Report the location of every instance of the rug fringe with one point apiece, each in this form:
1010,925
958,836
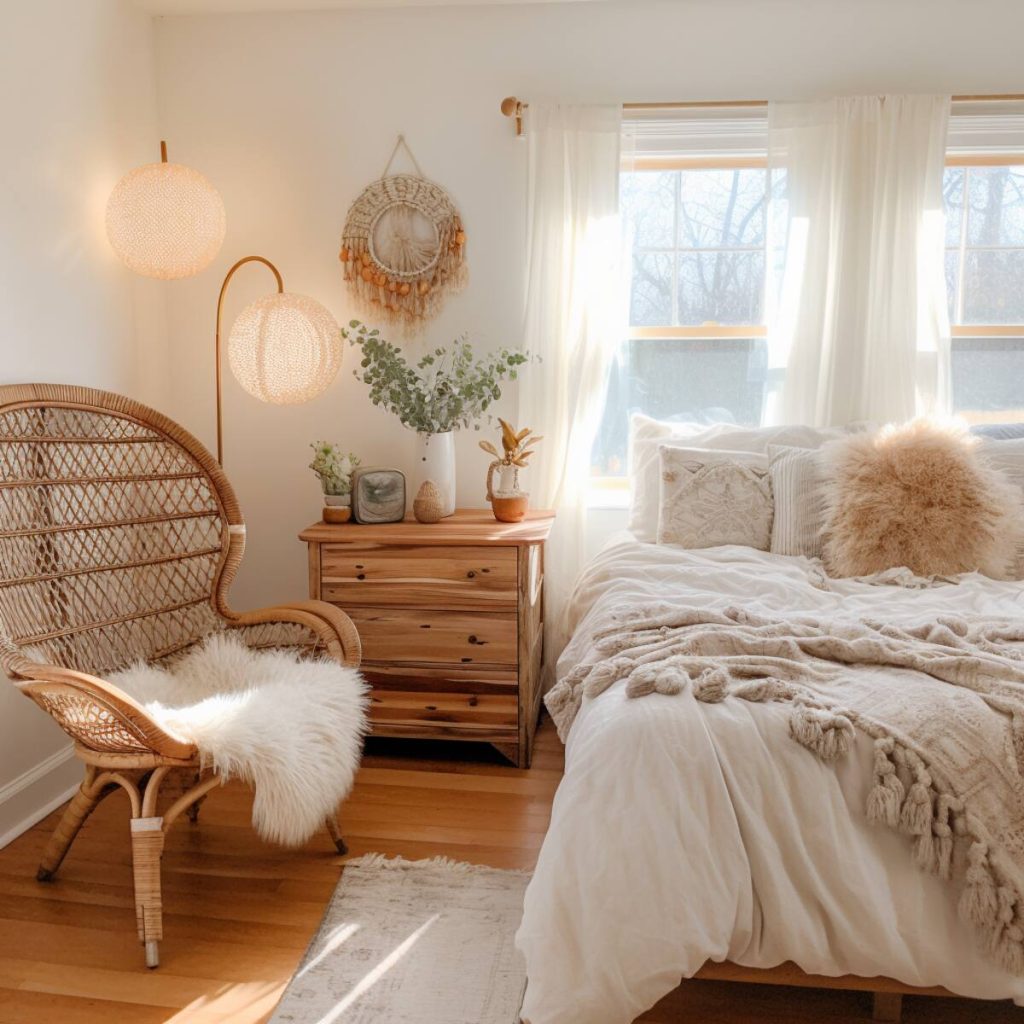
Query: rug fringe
446,864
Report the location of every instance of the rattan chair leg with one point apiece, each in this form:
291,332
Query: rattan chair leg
81,806
193,810
335,830
147,850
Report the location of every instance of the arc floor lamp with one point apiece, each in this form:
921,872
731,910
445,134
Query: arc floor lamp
167,221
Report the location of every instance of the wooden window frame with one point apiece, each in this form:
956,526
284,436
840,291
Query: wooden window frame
742,162
981,330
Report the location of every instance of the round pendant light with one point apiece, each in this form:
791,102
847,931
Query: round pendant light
285,348
165,220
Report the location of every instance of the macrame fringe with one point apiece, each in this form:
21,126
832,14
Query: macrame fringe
886,796
827,733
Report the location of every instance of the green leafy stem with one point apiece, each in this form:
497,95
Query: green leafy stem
447,389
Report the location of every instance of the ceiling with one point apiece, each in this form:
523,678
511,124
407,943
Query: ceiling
242,6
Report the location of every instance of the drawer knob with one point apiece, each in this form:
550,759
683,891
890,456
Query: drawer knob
361,576
470,574
473,640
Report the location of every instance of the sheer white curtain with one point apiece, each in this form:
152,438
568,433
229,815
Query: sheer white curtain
575,318
859,329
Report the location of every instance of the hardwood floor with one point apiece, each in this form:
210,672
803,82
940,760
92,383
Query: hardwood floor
238,913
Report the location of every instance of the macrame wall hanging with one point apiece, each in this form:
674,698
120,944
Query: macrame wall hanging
403,248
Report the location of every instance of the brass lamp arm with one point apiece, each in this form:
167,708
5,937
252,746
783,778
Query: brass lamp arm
220,304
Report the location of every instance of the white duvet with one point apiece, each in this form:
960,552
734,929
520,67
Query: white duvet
685,832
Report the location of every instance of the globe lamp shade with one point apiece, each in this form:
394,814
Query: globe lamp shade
165,221
285,349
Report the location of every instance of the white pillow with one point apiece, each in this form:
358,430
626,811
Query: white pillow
798,490
646,435
1008,458
712,498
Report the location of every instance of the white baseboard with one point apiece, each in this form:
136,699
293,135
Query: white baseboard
31,796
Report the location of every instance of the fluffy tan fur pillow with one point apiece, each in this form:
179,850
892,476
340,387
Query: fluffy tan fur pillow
917,495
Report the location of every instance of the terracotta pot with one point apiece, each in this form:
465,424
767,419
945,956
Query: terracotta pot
336,514
510,510
337,508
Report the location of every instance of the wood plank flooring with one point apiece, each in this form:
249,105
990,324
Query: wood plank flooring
238,913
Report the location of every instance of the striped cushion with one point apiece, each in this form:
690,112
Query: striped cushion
797,487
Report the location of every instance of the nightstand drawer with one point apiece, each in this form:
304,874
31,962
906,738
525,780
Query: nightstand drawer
491,719
470,578
413,636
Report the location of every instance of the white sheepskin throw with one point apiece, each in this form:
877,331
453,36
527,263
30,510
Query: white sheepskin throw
292,729
918,495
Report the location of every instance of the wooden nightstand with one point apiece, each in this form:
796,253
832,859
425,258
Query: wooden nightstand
450,616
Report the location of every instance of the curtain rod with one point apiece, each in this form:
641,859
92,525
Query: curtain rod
513,107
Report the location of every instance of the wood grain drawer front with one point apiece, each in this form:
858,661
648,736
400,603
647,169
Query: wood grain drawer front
406,713
499,680
417,576
457,639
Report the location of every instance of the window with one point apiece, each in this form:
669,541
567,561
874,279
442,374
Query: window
696,344
696,348
985,287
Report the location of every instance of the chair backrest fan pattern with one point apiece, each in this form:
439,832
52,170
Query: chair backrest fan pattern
115,530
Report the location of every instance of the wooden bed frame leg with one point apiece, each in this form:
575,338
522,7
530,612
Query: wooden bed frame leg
83,803
887,1006
335,830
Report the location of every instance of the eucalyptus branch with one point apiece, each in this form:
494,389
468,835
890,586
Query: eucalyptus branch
448,388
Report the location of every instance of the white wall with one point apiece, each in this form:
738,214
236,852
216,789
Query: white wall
292,114
78,86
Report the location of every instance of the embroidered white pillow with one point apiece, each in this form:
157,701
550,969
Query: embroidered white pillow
710,498
798,490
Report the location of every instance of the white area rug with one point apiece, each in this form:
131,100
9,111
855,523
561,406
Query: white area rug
413,942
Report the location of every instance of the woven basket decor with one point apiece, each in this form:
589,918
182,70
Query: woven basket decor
403,249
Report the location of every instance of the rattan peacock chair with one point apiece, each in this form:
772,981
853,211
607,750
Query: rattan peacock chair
119,538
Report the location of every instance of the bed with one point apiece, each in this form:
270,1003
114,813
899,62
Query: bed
688,833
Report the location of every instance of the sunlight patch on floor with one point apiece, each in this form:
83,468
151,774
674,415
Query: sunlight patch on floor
241,1003
338,937
372,977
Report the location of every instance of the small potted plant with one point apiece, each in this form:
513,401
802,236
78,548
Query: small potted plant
508,502
334,468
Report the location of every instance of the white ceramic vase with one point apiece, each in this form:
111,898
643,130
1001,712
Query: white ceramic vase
435,460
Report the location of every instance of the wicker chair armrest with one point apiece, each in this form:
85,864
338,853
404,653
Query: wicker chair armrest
96,714
328,622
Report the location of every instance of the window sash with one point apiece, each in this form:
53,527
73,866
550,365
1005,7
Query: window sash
710,331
